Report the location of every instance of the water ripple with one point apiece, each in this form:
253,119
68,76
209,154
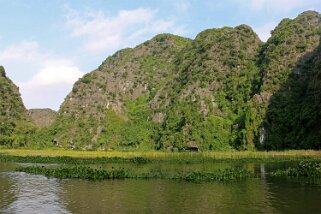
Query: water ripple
33,194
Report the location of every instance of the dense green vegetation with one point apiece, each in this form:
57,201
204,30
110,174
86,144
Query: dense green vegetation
15,127
303,169
71,160
159,165
225,90
290,67
134,132
81,172
212,90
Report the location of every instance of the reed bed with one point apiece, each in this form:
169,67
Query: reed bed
158,155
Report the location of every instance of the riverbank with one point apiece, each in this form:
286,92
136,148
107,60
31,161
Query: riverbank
91,157
146,165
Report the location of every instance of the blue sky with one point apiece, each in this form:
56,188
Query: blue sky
46,45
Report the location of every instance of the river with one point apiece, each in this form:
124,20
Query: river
25,193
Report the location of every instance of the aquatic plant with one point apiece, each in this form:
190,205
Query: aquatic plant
78,172
303,169
71,160
82,172
232,174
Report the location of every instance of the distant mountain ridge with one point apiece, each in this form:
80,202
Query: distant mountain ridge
42,117
223,90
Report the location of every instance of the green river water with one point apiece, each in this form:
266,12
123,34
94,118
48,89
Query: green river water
26,193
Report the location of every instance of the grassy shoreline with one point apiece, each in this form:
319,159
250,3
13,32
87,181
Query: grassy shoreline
92,157
160,154
74,164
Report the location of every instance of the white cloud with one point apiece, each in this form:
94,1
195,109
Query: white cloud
22,51
56,72
264,31
103,33
22,59
44,78
182,6
48,87
283,5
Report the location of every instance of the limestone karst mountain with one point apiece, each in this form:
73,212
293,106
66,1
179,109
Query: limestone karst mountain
42,117
285,114
223,90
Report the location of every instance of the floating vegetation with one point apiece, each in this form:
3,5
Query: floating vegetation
82,172
71,160
220,175
305,168
78,172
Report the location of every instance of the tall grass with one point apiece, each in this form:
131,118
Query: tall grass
165,155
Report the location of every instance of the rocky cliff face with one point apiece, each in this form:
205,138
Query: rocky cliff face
42,117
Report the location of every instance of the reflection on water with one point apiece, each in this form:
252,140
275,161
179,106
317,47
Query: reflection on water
296,197
24,193
6,194
30,194
162,196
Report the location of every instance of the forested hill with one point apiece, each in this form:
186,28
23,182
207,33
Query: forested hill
14,123
291,76
223,90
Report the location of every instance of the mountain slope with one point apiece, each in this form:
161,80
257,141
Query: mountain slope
109,107
42,117
218,74
14,122
282,114
169,92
